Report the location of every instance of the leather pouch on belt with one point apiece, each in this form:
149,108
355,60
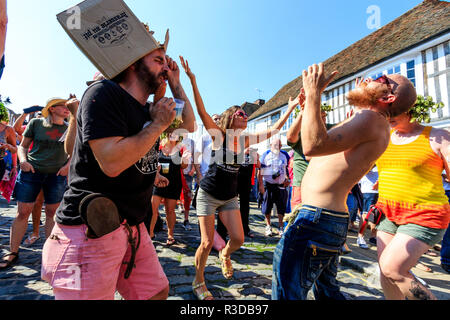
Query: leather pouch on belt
100,214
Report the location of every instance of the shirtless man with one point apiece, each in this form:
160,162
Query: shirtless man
308,252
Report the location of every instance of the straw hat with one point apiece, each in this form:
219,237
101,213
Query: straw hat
51,103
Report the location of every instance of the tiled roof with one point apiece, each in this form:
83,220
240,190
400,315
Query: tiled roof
426,21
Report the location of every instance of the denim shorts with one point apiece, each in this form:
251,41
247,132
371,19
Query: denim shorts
28,186
307,255
208,205
428,235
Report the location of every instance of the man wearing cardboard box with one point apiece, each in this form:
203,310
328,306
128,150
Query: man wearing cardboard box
99,243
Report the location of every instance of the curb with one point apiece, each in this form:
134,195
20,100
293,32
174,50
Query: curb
360,263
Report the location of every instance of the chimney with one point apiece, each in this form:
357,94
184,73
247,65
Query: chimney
260,102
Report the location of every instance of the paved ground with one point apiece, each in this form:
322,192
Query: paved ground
357,275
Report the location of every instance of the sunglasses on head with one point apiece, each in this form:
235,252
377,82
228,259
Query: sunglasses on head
240,114
384,80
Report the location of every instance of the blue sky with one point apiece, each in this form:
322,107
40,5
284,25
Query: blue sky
233,46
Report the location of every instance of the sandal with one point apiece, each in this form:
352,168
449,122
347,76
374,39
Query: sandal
30,240
170,242
227,268
205,295
423,267
9,263
431,253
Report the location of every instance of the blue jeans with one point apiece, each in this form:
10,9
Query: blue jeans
369,199
445,248
352,205
307,256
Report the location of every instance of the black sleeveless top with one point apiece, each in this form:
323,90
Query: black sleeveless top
221,180
173,190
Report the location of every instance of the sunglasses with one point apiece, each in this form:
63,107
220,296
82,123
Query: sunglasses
384,80
240,114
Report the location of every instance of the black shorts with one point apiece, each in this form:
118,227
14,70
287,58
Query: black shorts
274,193
170,192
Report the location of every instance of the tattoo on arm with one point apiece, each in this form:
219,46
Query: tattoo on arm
338,138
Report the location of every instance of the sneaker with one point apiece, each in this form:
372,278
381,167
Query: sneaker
373,241
186,225
362,243
268,232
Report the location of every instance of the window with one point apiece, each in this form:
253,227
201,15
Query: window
394,70
411,71
274,118
288,123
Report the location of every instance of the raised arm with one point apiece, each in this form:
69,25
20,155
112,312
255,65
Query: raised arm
3,26
17,126
275,129
69,142
204,116
363,126
293,134
178,93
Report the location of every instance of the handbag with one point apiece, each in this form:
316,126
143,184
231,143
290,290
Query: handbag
101,217
374,216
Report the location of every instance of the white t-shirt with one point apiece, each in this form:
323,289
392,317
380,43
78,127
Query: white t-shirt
189,145
273,166
204,146
369,180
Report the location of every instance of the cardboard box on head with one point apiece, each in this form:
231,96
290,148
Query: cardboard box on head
109,34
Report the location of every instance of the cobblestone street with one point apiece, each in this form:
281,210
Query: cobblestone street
252,263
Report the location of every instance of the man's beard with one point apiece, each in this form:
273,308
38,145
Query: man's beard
150,80
365,97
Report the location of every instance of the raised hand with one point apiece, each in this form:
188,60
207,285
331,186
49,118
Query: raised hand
173,75
299,101
315,80
72,104
185,65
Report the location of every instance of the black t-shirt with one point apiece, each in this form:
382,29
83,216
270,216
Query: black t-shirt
107,110
221,179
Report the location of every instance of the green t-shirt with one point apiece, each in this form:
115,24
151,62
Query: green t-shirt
47,154
300,164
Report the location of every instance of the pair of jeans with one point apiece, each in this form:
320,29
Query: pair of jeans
445,248
307,256
352,205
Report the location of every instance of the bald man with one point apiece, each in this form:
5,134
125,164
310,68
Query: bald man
307,255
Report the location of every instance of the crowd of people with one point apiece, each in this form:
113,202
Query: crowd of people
102,166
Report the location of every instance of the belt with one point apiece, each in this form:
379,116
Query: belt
324,211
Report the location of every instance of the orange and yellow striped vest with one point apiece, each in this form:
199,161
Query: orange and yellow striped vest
410,184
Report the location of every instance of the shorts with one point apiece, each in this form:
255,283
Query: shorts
28,186
427,235
208,205
274,194
79,268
